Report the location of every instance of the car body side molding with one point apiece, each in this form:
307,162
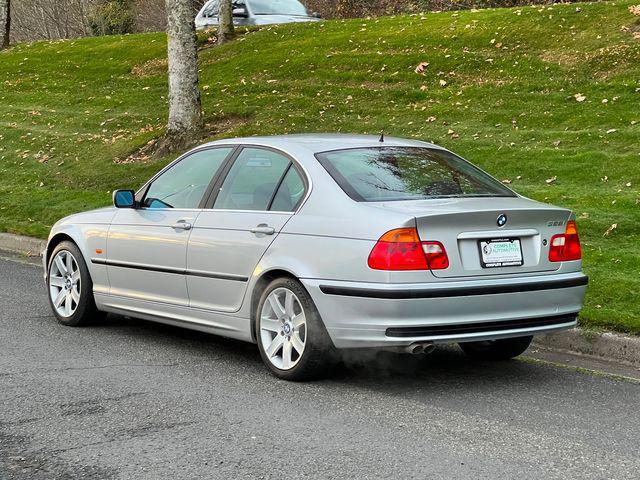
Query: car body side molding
176,271
453,292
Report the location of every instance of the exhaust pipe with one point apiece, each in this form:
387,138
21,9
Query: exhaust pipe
416,348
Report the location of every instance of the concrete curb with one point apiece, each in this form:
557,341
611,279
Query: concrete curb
605,345
610,346
28,246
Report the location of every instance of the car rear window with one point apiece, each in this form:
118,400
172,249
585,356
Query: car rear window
407,173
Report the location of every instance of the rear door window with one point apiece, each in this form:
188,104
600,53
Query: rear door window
290,192
252,180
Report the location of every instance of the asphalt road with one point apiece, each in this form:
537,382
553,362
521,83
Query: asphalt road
127,399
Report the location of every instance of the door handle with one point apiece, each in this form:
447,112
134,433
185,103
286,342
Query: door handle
182,225
263,229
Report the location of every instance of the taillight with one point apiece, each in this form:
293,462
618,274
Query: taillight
436,255
566,246
401,249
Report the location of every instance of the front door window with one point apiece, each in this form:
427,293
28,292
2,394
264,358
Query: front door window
185,183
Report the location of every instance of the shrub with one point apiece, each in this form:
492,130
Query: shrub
112,17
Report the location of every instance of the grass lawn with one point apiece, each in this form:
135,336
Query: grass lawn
546,98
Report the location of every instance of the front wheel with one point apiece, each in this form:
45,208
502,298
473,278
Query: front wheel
503,349
70,286
293,343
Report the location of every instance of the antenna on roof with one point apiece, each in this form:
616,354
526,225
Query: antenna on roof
381,137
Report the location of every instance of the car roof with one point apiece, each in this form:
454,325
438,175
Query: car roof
322,142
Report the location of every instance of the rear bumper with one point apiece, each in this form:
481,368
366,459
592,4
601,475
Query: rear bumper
396,315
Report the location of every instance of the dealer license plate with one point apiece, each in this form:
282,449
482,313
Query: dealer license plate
501,252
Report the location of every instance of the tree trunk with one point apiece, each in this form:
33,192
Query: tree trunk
5,23
225,21
185,112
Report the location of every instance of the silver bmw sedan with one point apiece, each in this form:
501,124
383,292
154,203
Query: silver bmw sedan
308,244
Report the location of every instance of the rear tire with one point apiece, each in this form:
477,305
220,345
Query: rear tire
503,349
293,342
70,287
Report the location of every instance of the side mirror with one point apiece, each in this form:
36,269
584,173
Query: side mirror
240,12
124,199
316,15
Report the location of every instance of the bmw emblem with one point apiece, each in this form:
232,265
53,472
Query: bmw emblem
502,220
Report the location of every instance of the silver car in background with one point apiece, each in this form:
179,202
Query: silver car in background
256,12
308,244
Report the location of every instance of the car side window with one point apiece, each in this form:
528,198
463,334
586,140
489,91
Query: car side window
184,184
290,192
252,180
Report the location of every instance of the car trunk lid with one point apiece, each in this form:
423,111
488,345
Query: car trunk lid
501,226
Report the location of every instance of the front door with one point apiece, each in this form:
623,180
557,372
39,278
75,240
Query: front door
250,206
147,247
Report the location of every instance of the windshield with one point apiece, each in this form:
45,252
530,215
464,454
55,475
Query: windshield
210,9
407,173
277,7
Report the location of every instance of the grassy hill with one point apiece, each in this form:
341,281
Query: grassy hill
546,98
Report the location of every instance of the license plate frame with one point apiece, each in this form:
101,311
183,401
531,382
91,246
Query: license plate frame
491,259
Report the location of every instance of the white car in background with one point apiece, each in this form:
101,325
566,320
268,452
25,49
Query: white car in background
256,12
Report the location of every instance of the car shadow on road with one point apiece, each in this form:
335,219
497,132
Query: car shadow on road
446,366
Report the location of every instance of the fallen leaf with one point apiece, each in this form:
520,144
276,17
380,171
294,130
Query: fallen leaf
420,68
583,216
579,97
549,181
443,83
611,130
506,181
610,229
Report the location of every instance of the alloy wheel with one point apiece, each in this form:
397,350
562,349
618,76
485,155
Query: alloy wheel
283,328
64,283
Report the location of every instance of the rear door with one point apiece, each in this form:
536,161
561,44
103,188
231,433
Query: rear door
147,247
249,206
